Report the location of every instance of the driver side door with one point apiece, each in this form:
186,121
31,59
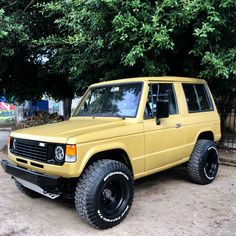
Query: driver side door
164,142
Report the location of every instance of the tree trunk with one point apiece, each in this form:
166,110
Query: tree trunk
19,113
67,108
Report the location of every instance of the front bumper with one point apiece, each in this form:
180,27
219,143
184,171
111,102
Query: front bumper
67,170
41,180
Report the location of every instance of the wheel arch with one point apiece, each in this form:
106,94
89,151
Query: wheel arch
115,153
207,134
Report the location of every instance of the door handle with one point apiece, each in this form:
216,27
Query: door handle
178,125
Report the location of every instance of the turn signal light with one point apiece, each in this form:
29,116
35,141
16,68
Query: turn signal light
71,150
70,153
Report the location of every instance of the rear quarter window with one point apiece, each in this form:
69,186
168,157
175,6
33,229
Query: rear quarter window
197,97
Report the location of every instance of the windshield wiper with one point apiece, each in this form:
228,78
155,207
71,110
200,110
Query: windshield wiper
109,115
119,116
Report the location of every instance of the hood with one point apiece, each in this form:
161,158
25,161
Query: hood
62,131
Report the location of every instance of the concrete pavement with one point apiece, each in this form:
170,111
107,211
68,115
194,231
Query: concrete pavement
228,157
164,204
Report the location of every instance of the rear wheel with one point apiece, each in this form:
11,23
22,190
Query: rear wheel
203,163
104,193
27,191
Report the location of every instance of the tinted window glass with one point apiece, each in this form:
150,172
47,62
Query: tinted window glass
204,99
197,97
150,109
166,92
160,92
191,97
119,100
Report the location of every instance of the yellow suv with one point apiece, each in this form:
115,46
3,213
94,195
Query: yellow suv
121,130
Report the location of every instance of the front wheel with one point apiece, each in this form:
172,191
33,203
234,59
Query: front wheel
203,163
104,193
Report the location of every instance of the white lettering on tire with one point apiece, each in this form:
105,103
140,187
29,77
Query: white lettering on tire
114,219
116,173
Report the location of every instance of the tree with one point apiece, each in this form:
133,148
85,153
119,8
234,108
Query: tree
88,41
24,75
108,39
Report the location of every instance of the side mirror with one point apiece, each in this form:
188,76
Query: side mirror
162,110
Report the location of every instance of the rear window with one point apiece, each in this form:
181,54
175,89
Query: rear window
197,97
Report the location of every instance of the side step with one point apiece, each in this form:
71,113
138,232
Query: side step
36,188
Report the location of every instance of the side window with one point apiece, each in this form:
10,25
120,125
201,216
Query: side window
150,109
166,92
203,97
160,92
191,97
197,98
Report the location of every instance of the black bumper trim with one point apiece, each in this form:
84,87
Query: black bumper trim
33,177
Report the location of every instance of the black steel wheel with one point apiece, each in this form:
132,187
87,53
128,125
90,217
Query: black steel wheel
203,163
104,193
211,164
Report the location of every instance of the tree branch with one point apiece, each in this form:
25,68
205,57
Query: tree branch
10,4
209,43
30,4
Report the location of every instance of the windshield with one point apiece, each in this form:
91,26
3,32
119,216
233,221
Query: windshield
120,100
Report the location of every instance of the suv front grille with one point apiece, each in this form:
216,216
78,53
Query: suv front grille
30,149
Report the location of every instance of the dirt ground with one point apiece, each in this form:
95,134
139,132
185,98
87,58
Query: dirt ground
164,204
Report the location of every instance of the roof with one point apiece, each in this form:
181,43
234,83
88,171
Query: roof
162,78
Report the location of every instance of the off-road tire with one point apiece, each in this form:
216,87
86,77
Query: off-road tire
104,193
203,163
27,191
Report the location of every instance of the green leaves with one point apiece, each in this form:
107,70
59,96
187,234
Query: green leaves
220,65
204,31
135,53
10,32
113,39
86,41
162,39
216,66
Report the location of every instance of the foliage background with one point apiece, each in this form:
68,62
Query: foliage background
60,47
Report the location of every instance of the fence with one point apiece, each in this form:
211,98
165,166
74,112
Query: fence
228,130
